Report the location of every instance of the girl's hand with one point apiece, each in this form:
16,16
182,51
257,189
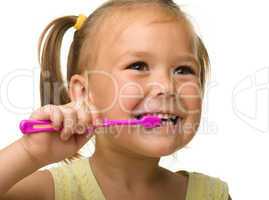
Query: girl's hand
46,148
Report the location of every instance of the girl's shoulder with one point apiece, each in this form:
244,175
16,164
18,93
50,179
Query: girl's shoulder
75,181
204,187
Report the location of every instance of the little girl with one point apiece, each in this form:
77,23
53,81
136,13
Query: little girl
129,58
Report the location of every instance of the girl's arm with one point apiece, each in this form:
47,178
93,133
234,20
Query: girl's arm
20,178
21,159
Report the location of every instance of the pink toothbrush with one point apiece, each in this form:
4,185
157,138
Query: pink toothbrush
36,126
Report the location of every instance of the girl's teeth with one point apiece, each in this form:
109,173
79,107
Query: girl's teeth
164,116
168,123
160,115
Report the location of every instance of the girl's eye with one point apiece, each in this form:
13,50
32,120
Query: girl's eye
184,70
140,66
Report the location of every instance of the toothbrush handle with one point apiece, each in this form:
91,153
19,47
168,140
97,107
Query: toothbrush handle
36,126
31,126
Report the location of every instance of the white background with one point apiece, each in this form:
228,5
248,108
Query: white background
232,142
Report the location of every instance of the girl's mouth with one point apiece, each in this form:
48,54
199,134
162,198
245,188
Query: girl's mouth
165,117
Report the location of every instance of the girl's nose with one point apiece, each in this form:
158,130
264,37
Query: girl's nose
162,85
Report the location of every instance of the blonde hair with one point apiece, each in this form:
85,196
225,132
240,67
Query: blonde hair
50,42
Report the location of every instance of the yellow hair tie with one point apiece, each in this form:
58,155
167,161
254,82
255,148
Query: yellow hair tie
80,21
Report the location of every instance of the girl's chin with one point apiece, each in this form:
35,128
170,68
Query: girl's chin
157,146
155,142
158,152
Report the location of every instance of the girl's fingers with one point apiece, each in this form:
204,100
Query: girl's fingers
78,116
88,114
73,118
51,112
69,123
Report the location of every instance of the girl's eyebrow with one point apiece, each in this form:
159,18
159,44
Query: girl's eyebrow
135,54
187,57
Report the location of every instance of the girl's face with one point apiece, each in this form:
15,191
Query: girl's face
146,66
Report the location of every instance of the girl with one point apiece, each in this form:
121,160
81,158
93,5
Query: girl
129,58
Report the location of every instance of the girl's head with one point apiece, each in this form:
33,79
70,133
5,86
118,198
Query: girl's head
131,56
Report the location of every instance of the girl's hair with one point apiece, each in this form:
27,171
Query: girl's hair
52,87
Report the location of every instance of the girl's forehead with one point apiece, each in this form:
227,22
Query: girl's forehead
147,35
127,24
142,31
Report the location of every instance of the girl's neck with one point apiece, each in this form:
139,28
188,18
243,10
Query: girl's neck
125,168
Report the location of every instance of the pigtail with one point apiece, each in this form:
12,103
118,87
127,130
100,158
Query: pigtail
52,88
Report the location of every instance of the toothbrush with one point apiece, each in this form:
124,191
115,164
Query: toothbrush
37,126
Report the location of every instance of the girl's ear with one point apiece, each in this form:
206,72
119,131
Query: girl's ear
77,88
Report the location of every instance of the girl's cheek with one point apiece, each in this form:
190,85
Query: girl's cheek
190,96
104,93
130,93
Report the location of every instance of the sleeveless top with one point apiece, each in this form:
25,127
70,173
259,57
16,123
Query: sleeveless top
76,181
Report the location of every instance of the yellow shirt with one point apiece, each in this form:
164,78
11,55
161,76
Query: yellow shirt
75,181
